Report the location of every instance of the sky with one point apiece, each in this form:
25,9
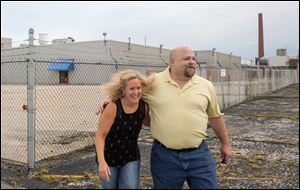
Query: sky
227,26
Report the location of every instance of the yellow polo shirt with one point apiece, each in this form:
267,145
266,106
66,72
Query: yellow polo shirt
179,116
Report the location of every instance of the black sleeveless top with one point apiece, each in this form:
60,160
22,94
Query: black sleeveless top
121,141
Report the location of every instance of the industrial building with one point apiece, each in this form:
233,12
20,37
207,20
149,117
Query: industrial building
280,60
6,43
105,52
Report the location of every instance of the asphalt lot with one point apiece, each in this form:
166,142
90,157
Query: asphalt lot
264,133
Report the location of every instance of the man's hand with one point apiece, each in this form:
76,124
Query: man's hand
226,153
101,108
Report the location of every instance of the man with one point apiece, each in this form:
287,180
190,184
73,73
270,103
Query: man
182,104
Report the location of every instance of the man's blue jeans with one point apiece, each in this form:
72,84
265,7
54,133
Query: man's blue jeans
171,168
123,177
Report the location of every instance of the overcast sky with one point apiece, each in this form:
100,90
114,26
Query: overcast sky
226,26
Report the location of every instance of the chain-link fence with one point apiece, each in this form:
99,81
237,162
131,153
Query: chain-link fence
48,104
64,113
236,85
64,109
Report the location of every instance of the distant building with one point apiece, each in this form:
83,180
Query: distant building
248,62
274,61
293,61
106,53
23,45
211,58
43,39
280,60
6,43
63,40
281,52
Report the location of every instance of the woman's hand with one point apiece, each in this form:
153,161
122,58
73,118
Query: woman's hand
104,171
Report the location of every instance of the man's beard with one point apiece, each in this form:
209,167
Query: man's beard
189,72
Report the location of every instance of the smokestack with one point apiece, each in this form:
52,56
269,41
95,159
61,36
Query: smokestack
260,36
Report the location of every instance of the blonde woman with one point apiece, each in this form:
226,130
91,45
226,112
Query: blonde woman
118,154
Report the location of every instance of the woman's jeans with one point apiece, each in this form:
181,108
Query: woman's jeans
125,176
170,168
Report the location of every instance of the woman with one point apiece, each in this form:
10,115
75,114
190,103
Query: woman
118,129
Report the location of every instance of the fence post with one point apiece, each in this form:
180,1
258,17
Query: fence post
273,79
31,103
258,80
222,88
239,83
298,68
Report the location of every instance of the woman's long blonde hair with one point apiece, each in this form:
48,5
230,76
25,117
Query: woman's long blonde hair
115,88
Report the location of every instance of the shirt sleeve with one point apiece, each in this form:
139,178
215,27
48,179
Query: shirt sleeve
213,109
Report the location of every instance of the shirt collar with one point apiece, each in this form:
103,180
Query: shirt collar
167,77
